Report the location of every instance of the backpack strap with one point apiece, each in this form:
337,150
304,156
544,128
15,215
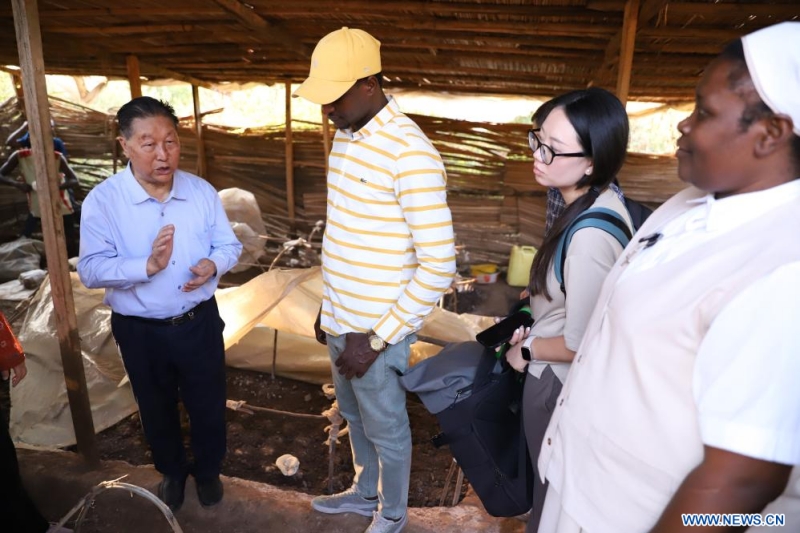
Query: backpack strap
599,217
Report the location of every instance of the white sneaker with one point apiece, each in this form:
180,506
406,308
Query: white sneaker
382,525
349,501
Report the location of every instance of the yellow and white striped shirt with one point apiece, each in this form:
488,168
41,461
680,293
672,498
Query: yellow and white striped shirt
388,251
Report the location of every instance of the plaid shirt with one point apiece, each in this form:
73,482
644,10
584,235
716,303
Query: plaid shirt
556,205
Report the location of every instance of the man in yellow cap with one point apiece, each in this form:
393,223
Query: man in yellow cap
387,257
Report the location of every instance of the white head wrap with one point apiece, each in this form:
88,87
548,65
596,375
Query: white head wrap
773,59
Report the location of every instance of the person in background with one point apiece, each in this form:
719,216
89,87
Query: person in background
18,513
158,240
578,148
683,396
22,159
387,256
21,138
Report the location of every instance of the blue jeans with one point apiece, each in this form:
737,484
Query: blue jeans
380,437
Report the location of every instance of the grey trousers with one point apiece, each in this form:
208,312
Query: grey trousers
538,402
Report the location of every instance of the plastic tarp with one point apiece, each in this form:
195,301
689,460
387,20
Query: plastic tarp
18,256
286,300
248,226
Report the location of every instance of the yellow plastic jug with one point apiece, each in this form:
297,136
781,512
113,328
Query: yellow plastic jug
519,265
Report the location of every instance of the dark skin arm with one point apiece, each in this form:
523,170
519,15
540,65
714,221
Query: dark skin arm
70,179
7,168
357,356
318,333
725,482
16,134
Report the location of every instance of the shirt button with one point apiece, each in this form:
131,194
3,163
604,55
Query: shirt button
549,442
173,262
179,287
183,307
579,358
561,402
162,214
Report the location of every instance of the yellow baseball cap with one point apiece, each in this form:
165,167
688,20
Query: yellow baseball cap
340,59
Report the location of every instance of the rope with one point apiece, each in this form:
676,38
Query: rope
87,501
243,406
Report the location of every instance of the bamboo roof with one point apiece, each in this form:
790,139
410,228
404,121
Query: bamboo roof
520,47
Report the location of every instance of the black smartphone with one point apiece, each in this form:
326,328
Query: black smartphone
502,332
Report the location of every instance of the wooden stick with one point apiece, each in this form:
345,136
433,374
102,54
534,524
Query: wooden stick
133,76
198,126
289,155
37,107
626,50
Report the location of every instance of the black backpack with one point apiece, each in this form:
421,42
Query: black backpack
478,406
638,212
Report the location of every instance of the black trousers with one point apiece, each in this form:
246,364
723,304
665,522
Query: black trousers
17,512
167,363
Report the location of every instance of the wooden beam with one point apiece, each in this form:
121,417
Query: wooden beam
37,107
134,79
626,52
198,128
289,155
648,10
266,29
395,8
161,72
740,11
513,28
131,29
147,12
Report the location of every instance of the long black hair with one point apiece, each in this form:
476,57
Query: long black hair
600,121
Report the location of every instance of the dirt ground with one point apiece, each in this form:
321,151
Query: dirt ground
254,442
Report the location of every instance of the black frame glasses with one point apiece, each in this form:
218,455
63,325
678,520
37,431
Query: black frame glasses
545,152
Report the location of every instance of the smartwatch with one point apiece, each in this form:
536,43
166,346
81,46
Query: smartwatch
525,349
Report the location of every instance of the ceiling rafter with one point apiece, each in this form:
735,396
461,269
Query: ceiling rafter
268,31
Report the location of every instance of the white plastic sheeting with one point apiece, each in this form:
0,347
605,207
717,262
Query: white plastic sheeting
284,299
245,218
18,256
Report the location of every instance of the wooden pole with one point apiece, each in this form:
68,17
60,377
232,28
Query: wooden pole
626,50
289,155
37,107
198,125
326,140
133,76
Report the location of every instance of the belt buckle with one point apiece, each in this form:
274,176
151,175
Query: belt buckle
176,320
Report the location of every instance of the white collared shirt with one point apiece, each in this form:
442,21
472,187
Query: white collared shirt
747,366
708,220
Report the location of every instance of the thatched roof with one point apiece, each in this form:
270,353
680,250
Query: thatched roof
523,47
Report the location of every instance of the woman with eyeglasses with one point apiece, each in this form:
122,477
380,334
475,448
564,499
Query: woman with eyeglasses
578,148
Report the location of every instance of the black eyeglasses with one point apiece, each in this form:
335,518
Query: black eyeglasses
545,152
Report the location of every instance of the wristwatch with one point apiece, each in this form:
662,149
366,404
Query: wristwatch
525,349
376,343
